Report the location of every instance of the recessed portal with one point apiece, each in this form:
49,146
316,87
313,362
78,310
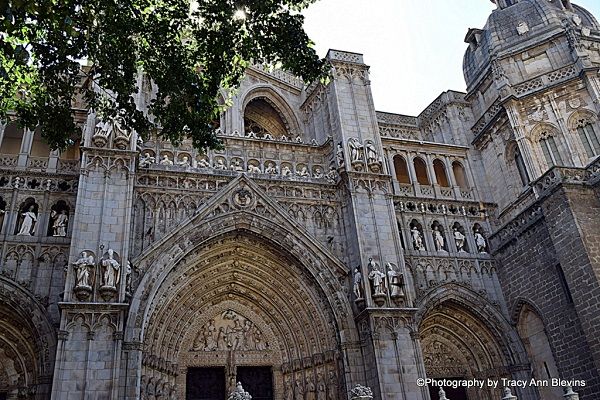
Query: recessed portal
258,381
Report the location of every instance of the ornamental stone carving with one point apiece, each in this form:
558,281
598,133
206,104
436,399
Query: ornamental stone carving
230,331
239,393
112,127
360,392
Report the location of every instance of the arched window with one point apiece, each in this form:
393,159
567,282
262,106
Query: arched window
550,149
11,141
459,175
421,171
263,120
521,167
401,169
39,147
589,138
440,173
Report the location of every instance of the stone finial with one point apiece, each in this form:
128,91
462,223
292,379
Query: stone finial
508,394
570,394
239,393
443,394
361,393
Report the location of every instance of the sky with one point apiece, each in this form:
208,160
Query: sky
414,47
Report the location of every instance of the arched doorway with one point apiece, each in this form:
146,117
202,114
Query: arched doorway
240,295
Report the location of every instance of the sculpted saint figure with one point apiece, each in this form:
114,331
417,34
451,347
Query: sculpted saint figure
82,270
303,172
28,223
371,153
340,155
286,171
357,287
110,278
394,282
480,241
377,276
203,163
166,160
146,160
356,149
220,165
417,238
459,239
59,226
438,239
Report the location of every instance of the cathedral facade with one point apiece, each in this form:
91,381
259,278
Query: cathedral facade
327,244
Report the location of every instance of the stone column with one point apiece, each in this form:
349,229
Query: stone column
26,143
2,129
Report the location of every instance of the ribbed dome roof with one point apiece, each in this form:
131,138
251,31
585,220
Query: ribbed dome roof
500,33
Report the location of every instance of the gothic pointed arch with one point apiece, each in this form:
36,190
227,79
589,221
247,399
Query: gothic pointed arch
464,336
264,106
27,344
240,259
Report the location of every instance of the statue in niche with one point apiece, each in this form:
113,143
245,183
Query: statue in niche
340,155
59,224
166,160
253,169
303,172
356,150
480,241
271,168
185,162
128,271
236,166
417,238
438,239
371,153
459,239
288,390
203,163
318,173
286,171
146,160
110,276
377,276
83,268
28,224
220,165
321,387
394,280
357,286
311,389
332,393
298,390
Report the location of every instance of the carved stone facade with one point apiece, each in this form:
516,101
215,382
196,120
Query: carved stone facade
344,251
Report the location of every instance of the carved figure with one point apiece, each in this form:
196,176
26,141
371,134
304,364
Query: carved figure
203,163
82,270
311,389
28,223
332,175
166,160
239,393
318,173
271,168
253,169
220,165
356,150
288,390
59,226
417,238
371,153
229,332
298,390
110,277
480,241
459,239
394,280
357,286
321,387
332,392
438,239
286,171
303,172
340,155
377,276
361,392
185,162
236,166
146,160
128,271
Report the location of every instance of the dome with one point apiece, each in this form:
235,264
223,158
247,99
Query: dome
513,24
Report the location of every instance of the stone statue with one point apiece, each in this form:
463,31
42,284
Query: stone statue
271,168
438,239
321,387
59,226
220,165
83,267
442,394
303,172
377,276
356,150
508,394
253,169
332,392
286,171
480,241
371,153
332,175
146,160
239,393
288,390
357,286
128,271
394,280
185,162
459,239
110,277
340,155
318,173
311,389
298,390
203,163
28,223
417,239
236,166
166,160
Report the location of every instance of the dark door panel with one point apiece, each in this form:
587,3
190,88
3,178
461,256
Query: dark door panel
205,384
258,381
